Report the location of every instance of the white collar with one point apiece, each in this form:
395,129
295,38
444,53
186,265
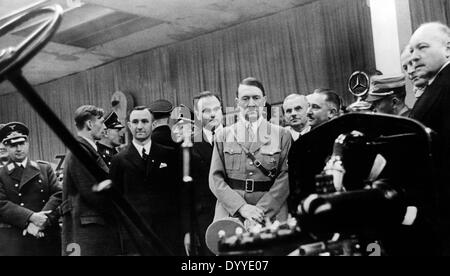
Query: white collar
209,135
418,92
295,134
254,125
23,163
146,147
404,110
434,78
305,130
91,142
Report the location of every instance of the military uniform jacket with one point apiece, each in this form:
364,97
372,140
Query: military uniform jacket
23,193
106,153
229,161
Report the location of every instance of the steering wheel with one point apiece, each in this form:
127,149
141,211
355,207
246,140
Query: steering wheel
14,58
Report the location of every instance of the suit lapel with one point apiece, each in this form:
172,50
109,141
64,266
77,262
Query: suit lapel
205,148
13,172
154,156
133,156
424,104
93,153
29,173
432,93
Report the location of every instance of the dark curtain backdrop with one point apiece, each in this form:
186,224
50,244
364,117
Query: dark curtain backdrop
429,10
316,45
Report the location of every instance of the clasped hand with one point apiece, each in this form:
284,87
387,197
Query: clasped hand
252,213
37,224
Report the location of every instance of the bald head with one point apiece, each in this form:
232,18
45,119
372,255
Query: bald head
295,107
430,49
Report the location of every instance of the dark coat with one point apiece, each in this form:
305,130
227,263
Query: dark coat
23,193
153,188
163,135
106,153
433,110
204,199
89,220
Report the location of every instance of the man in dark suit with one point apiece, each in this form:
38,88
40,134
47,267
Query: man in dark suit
147,173
324,105
162,133
29,198
208,112
419,84
90,227
295,107
430,49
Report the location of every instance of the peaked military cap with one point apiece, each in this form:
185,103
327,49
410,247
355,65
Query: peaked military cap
13,133
383,86
161,108
112,121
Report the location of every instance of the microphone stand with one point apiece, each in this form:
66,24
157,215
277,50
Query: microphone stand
188,182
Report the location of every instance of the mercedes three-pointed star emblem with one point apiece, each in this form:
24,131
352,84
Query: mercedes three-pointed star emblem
358,83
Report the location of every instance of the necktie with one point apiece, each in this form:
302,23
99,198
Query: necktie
213,137
144,154
251,135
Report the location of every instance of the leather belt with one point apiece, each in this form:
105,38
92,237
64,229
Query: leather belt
250,185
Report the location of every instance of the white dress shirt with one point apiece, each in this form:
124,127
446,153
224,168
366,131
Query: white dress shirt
295,134
146,147
23,163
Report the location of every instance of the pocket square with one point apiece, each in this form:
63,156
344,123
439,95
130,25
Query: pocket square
163,165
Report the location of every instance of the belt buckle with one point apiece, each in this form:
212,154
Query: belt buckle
251,183
257,163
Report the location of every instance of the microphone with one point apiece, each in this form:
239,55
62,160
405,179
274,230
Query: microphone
335,165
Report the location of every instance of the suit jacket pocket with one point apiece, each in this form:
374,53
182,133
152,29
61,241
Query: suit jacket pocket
86,220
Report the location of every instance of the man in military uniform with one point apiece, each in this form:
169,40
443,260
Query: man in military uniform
112,139
29,198
162,133
249,172
387,95
4,156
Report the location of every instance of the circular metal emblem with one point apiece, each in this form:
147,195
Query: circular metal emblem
358,84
